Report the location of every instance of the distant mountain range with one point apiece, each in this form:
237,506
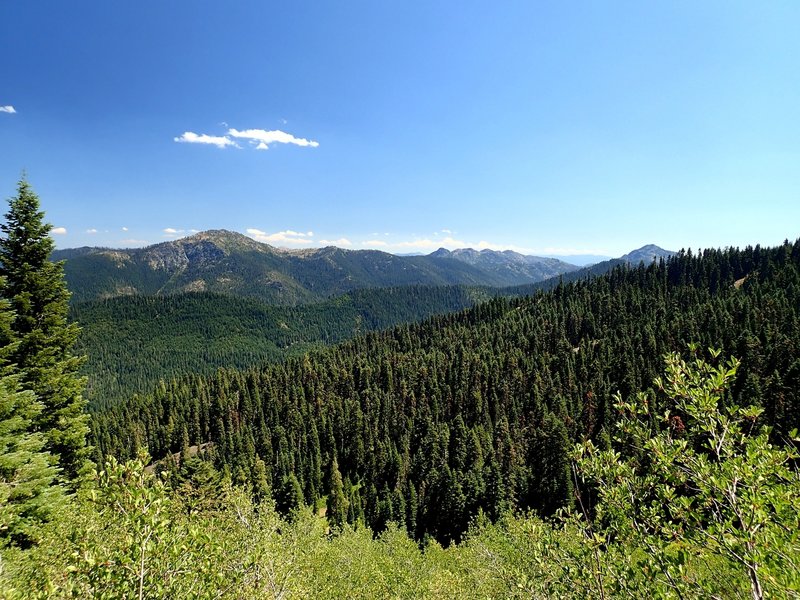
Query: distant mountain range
230,263
513,268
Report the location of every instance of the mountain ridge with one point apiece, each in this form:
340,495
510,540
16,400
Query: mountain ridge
508,263
227,262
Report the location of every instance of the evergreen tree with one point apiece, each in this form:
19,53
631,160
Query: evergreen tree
290,497
27,472
198,484
337,500
260,483
35,288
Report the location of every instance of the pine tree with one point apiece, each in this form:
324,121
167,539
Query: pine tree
290,496
259,480
35,288
337,500
28,495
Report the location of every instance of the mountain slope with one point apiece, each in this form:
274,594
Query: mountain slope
230,263
647,254
132,342
511,267
218,261
479,411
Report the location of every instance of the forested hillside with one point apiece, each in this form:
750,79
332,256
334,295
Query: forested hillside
131,342
134,341
306,478
427,424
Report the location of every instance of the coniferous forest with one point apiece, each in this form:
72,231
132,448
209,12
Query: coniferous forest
132,342
628,435
431,423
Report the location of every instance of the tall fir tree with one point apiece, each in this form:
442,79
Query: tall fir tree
28,495
43,338
337,500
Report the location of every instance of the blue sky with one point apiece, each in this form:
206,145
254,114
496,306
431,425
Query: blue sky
546,127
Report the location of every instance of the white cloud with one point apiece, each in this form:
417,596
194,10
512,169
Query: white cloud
124,229
412,243
264,138
220,141
8,109
59,230
132,242
296,238
91,230
339,242
447,231
172,232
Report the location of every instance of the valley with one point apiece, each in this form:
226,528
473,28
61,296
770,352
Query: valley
135,339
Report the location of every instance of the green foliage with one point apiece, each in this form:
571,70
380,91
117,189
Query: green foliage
134,341
42,337
478,410
128,536
28,494
701,479
198,484
290,496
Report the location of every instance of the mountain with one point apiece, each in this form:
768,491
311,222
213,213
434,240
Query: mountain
229,263
512,267
646,254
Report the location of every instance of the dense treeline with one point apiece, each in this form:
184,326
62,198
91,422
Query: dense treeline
134,341
427,424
